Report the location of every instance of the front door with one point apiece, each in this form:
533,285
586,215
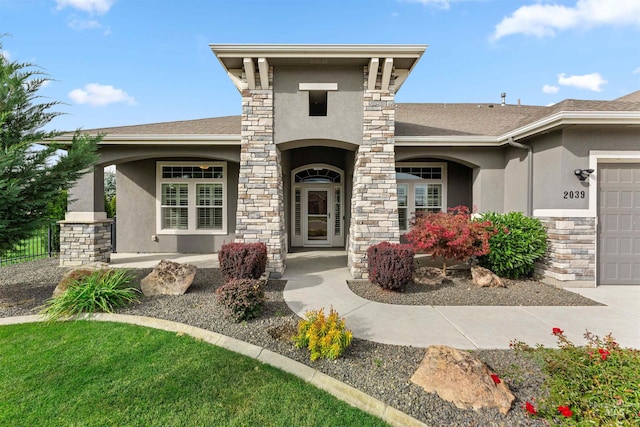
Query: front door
318,216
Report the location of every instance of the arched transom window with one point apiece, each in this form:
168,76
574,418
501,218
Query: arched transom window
318,174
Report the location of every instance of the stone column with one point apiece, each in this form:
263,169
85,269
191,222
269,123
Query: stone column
260,215
374,201
85,233
571,252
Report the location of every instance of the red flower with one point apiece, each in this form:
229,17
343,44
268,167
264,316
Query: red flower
564,410
603,353
557,331
495,378
530,408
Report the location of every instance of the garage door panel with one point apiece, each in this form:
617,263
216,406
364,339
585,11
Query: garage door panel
625,246
610,223
625,199
619,224
612,199
625,222
626,176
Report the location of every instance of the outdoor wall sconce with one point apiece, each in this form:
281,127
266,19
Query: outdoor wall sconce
583,174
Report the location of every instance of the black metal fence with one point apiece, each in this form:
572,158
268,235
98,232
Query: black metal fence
113,235
45,243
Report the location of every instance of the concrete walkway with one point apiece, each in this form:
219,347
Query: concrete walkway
317,279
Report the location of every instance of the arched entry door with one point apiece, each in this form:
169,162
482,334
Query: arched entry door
317,208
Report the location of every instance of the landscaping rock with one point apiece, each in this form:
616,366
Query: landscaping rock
430,276
462,379
77,274
485,278
168,278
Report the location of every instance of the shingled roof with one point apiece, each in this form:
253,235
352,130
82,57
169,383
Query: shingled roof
228,125
411,119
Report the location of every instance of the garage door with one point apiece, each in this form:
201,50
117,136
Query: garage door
619,224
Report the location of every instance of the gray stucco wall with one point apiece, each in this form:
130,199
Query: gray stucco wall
291,106
557,155
459,186
136,213
516,180
487,171
87,194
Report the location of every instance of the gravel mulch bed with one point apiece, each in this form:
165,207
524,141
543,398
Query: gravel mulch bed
458,289
380,370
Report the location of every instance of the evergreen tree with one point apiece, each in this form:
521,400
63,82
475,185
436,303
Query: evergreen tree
31,178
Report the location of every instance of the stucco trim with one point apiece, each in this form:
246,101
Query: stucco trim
563,213
85,217
563,118
445,141
154,139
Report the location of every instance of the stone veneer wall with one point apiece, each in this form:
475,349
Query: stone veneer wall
374,202
260,215
571,252
83,243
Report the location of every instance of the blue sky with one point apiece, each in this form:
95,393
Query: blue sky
119,62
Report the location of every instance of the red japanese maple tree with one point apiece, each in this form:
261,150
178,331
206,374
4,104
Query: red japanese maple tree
451,235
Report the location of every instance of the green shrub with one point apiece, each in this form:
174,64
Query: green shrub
391,265
323,336
102,290
242,298
594,385
520,241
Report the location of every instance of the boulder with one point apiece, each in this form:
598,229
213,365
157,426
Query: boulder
485,278
77,274
430,276
168,278
462,379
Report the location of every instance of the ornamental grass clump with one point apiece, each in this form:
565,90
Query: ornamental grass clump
594,385
518,242
450,235
242,298
324,336
101,291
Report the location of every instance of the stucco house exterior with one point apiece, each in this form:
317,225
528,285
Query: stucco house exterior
323,156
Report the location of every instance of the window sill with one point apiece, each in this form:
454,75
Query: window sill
191,232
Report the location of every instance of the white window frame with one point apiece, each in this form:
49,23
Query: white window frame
192,208
413,183
336,240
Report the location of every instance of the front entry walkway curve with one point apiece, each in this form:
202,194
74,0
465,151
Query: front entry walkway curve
317,279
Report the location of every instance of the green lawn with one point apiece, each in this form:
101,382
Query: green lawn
93,373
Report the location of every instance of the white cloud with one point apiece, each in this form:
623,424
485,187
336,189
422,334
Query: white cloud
542,20
550,89
84,24
443,4
636,71
592,81
98,95
99,7
5,54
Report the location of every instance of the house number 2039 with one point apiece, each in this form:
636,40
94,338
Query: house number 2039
578,194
